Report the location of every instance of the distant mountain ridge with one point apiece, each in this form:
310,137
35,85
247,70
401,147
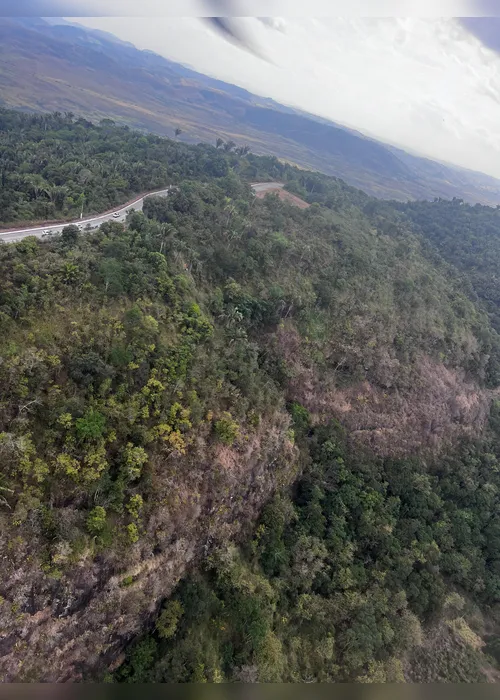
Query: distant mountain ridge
47,66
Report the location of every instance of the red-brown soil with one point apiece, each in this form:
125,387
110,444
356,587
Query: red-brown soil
285,196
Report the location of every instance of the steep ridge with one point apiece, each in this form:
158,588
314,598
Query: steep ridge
162,380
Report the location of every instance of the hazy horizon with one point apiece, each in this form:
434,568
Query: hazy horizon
423,84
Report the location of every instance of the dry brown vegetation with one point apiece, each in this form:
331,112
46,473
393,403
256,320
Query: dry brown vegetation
432,410
284,196
83,623
453,650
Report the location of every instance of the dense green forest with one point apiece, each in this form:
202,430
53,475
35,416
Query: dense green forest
343,577
467,236
292,405
52,165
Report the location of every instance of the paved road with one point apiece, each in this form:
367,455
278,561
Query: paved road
95,221
264,186
92,223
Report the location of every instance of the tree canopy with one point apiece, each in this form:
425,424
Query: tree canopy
164,379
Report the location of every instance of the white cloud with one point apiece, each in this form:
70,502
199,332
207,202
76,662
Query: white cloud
277,23
290,8
422,83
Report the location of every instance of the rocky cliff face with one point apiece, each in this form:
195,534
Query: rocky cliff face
73,628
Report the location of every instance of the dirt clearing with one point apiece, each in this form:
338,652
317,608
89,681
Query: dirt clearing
263,188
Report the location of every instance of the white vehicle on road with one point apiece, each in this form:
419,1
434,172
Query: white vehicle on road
116,215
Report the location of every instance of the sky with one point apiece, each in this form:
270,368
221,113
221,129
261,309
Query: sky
424,83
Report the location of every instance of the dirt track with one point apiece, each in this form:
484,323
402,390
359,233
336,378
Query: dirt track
263,188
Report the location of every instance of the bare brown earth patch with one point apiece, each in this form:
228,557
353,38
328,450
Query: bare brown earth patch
284,196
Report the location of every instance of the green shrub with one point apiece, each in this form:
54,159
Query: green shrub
141,660
132,533
226,429
69,234
96,520
134,460
134,506
167,622
91,426
300,417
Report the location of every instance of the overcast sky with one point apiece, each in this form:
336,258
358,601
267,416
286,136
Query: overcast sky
426,84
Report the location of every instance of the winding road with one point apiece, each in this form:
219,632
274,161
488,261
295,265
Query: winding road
266,186
85,224
17,234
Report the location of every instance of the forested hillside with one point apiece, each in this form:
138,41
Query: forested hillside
238,439
53,164
467,236
354,576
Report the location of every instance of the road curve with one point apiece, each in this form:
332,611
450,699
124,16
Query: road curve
265,186
95,221
86,224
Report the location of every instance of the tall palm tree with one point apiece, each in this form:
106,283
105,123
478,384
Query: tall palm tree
58,194
166,233
36,185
